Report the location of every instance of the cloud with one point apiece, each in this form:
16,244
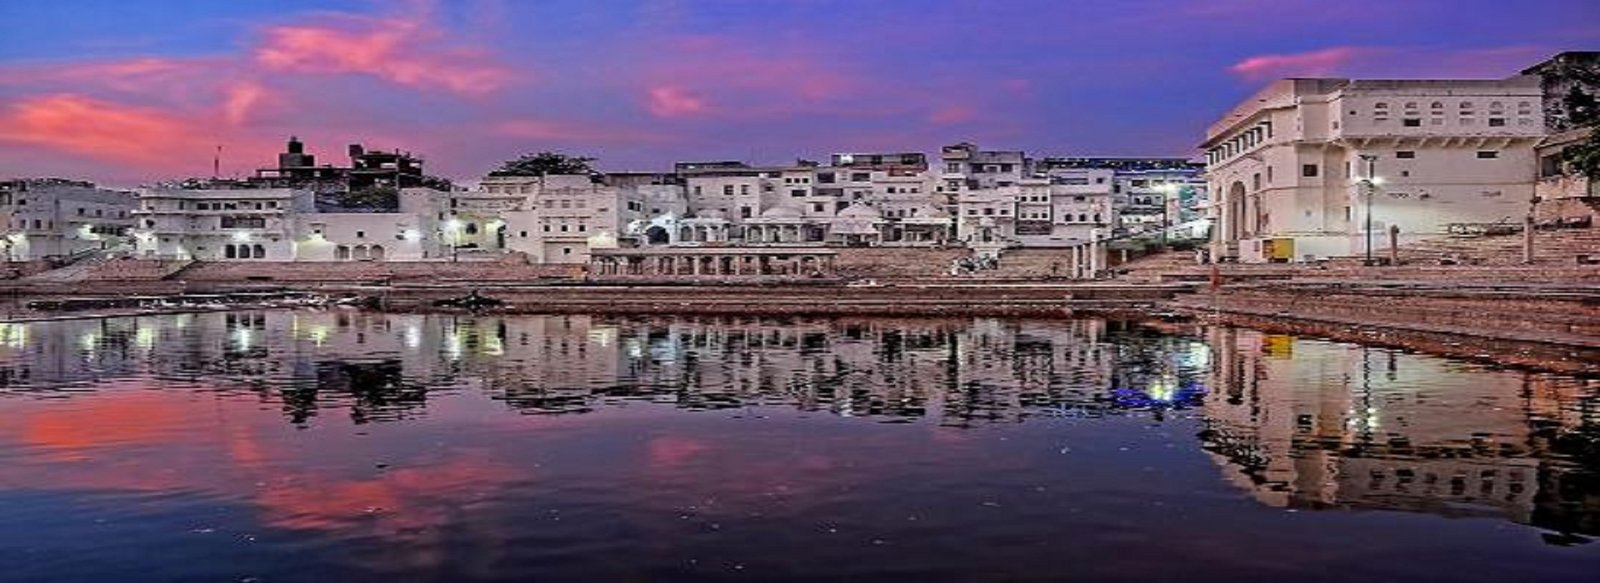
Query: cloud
672,101
1397,62
406,52
539,129
102,129
953,114
240,99
737,78
1320,63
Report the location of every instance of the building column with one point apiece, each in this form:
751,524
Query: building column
1096,253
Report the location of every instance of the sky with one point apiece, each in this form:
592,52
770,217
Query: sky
123,91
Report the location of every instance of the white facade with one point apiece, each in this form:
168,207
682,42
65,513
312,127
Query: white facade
61,218
280,224
1286,167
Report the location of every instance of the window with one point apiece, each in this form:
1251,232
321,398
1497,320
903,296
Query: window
1405,154
361,234
1497,122
1412,122
1488,154
1308,170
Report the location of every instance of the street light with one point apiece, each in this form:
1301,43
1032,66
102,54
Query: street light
1370,185
1166,190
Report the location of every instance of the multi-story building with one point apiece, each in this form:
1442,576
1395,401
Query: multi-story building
1310,168
280,224
43,218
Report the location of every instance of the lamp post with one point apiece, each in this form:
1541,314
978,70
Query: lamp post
1166,221
1369,185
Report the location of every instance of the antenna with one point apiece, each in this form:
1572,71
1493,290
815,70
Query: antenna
216,163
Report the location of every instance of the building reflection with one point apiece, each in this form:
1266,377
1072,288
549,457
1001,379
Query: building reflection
382,366
1310,424
1298,423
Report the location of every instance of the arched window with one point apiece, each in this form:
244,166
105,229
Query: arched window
1381,105
1466,105
260,252
1411,105
229,252
1437,105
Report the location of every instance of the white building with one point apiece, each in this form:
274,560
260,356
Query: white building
280,224
1286,167
43,218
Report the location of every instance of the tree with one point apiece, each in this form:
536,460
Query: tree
545,163
1583,112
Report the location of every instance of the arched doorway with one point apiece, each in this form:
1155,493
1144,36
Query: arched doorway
377,252
656,235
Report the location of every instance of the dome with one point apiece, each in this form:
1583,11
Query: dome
860,211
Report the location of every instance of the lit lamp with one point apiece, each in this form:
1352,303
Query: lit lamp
1166,190
1369,186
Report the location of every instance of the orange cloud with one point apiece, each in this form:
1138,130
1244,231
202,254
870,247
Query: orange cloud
399,51
1311,64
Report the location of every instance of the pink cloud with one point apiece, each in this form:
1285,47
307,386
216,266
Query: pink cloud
239,99
732,77
538,129
1393,62
400,51
155,141
953,114
1319,63
82,125
672,101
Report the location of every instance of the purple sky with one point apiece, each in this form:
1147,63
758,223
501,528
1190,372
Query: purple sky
123,91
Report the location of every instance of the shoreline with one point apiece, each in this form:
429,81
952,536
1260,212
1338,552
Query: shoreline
1555,328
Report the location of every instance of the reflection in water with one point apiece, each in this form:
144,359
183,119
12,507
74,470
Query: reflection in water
377,432
1314,425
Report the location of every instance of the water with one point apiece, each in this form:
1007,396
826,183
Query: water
299,446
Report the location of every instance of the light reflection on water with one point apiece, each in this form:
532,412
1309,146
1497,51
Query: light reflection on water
304,445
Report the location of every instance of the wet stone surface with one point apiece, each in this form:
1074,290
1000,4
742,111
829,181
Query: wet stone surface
356,446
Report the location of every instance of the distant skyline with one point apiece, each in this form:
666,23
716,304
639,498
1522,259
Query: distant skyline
121,92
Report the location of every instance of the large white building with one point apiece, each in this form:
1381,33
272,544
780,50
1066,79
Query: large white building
46,218
1288,167
282,224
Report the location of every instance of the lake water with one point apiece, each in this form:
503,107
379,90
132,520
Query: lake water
352,446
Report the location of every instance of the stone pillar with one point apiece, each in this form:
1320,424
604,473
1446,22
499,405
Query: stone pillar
1394,245
1096,253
